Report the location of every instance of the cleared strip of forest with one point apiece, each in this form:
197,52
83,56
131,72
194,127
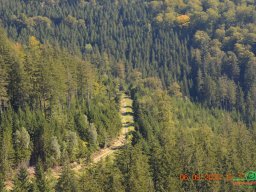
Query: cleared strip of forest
126,113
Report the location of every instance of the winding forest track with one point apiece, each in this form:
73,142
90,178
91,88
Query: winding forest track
126,113
127,120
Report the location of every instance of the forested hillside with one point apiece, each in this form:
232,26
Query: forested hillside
179,137
208,47
189,65
54,106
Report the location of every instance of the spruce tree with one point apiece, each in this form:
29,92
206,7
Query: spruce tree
21,182
1,182
41,181
67,182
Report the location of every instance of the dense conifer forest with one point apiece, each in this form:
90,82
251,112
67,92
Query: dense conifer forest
188,65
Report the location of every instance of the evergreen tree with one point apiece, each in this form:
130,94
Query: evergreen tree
2,186
21,182
22,144
3,84
67,181
41,181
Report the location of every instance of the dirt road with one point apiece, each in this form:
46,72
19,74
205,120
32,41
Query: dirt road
126,113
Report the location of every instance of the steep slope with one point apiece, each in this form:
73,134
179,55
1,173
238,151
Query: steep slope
126,113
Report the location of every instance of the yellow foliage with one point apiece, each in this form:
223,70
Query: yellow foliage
175,3
159,18
33,42
98,88
170,17
182,19
175,90
155,4
32,21
19,50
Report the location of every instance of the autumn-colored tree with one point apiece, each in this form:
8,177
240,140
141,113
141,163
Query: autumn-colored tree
175,90
183,20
